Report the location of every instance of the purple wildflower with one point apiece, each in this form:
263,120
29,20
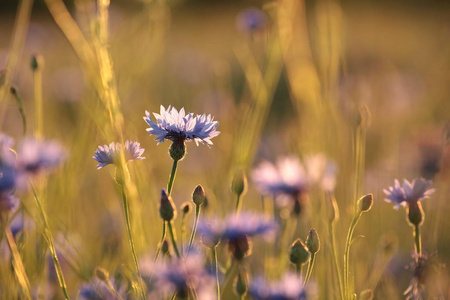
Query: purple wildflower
35,156
106,155
175,125
409,192
251,20
290,287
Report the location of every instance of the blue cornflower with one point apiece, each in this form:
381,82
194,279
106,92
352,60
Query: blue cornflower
237,231
290,287
178,126
98,290
408,193
251,20
180,276
106,155
36,155
8,202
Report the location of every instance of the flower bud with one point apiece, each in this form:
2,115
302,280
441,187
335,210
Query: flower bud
198,196
298,253
366,295
165,248
365,202
186,208
37,62
240,285
239,183
167,209
416,215
313,241
101,274
297,210
240,248
178,150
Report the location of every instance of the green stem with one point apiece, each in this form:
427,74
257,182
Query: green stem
18,266
198,209
216,270
238,204
298,269
172,177
162,240
417,239
51,245
174,242
347,253
310,268
129,231
335,259
21,110
228,275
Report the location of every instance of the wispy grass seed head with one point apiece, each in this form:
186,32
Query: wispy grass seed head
106,155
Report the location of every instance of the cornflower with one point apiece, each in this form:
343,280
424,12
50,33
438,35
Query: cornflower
106,155
290,287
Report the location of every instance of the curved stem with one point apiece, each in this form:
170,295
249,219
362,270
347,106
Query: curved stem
238,204
417,239
130,234
198,209
335,259
216,270
162,240
174,242
310,268
347,253
51,245
228,276
172,177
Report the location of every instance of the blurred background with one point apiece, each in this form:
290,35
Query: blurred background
365,82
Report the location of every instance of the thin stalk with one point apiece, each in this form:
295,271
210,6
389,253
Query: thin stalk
335,259
130,234
19,269
310,268
347,253
162,240
39,107
172,177
417,239
216,270
228,276
174,242
198,209
238,204
298,269
51,245
183,233
21,110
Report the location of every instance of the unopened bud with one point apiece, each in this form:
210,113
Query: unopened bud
186,208
240,285
239,183
365,202
167,209
198,196
178,150
313,241
101,274
298,253
37,62
416,215
366,295
165,247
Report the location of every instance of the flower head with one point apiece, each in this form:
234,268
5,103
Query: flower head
251,20
35,156
409,192
175,125
106,155
290,287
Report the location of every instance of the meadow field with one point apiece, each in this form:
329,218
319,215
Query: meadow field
293,149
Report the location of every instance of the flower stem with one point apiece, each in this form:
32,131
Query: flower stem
172,177
238,204
19,269
216,270
298,269
310,267
51,245
335,259
162,240
174,242
198,209
348,243
417,239
126,209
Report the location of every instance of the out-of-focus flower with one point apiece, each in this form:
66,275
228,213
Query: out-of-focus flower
408,193
416,288
237,231
177,126
180,276
290,287
8,202
35,156
251,20
106,155
321,171
98,290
